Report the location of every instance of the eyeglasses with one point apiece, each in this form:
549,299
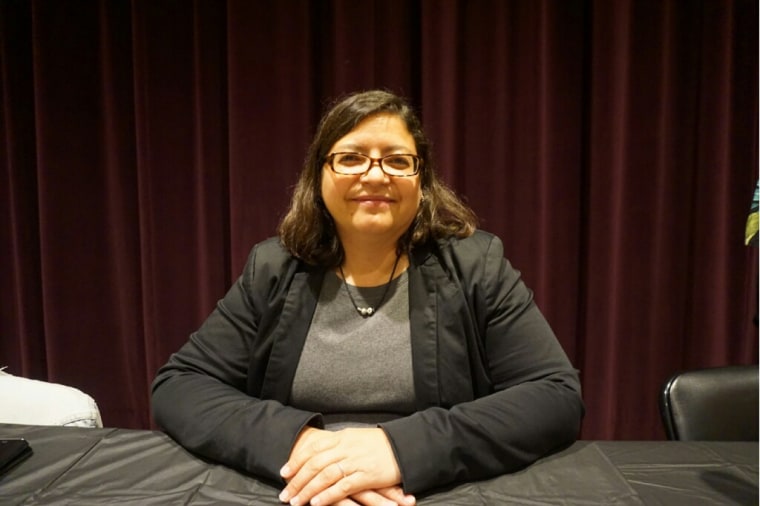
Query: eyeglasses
353,164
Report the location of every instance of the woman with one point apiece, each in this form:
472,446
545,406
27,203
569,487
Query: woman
381,345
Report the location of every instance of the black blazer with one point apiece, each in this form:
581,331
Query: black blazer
493,387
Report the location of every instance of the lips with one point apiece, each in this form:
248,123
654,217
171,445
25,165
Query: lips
372,199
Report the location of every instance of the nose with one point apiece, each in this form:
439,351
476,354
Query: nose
375,171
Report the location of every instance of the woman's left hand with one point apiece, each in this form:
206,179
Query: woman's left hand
325,467
391,496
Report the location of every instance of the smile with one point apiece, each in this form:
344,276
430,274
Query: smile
373,200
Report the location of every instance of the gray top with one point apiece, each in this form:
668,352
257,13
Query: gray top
356,370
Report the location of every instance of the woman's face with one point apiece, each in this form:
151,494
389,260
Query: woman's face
373,205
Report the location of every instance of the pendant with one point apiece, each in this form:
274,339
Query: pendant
365,311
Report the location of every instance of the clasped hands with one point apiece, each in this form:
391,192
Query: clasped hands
342,468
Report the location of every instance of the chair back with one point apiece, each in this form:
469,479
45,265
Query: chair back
715,404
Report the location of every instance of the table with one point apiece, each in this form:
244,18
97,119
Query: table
77,466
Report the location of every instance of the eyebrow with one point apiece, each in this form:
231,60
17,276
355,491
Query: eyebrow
361,148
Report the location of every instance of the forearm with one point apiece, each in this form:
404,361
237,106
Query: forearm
221,423
496,434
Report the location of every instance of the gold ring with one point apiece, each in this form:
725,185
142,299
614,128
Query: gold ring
341,469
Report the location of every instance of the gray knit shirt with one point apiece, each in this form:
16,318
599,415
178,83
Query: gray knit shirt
356,370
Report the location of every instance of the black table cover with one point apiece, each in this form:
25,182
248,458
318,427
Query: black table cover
74,466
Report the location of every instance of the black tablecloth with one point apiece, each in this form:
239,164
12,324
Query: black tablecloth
72,466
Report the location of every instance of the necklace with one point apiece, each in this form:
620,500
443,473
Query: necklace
369,310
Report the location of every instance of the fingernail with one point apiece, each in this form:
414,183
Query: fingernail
296,502
285,471
284,496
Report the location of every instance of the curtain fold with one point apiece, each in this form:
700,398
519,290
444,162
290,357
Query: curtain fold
506,125
179,75
146,146
85,198
21,331
271,112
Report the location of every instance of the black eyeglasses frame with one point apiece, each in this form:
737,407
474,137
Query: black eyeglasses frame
417,163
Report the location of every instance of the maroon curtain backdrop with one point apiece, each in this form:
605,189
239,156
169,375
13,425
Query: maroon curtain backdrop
146,146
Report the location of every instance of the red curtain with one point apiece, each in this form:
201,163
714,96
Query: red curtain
146,146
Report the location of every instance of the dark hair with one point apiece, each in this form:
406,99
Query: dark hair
308,230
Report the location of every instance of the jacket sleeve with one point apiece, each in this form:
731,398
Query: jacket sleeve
200,396
535,406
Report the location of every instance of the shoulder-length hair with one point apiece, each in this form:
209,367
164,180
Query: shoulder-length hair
308,231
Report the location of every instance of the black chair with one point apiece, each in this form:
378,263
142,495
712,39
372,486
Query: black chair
715,404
